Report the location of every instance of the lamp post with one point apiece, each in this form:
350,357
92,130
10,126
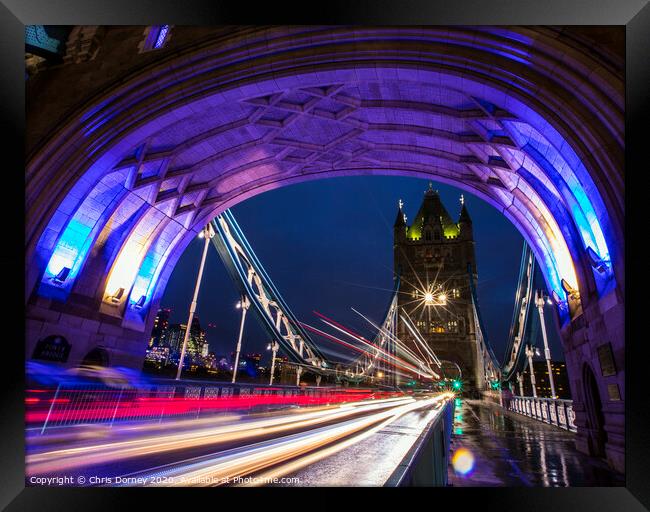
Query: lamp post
243,304
529,354
207,233
273,346
539,302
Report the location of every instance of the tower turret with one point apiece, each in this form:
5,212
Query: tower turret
432,221
399,237
465,221
466,235
400,220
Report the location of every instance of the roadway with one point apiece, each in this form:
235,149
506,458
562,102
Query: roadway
322,445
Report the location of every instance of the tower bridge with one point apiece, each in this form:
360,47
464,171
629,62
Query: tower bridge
130,158
435,259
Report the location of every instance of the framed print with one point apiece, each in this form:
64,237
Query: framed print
383,248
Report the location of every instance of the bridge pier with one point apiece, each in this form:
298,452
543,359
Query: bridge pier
85,333
595,358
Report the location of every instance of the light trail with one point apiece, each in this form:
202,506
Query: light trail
106,407
363,341
401,346
419,338
312,458
374,347
420,341
353,347
143,444
220,468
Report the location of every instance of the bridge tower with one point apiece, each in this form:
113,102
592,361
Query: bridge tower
432,256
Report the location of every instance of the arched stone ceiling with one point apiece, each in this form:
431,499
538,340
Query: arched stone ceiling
177,143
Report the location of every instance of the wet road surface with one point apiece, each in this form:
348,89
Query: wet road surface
513,450
370,462
223,450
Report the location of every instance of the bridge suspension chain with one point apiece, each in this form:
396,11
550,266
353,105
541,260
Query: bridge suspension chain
254,283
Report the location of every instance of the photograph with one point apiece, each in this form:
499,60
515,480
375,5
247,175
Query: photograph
325,255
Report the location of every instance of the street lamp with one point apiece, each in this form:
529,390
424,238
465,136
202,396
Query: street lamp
273,346
539,302
243,304
520,381
206,233
529,354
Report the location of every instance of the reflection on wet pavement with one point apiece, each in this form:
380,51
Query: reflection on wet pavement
512,450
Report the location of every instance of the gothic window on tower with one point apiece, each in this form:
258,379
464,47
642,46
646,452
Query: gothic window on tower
437,327
155,37
436,235
427,235
452,326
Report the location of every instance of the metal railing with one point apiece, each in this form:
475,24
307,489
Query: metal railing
84,403
552,411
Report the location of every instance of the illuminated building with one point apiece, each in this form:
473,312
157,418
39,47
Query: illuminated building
160,326
542,383
432,257
158,355
197,345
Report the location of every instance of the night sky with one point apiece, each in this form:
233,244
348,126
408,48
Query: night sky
327,245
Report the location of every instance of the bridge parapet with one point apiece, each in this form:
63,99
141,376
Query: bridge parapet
554,412
426,463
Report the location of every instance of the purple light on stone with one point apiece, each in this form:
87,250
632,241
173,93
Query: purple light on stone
76,239
162,35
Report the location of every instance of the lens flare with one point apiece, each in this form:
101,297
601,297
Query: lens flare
463,461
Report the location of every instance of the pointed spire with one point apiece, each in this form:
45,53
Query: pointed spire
400,220
432,213
465,221
464,214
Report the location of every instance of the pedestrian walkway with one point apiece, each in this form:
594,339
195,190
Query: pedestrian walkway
495,447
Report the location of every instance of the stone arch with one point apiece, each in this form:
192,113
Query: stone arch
98,356
529,119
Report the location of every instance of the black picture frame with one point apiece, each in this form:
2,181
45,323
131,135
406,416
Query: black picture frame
634,14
